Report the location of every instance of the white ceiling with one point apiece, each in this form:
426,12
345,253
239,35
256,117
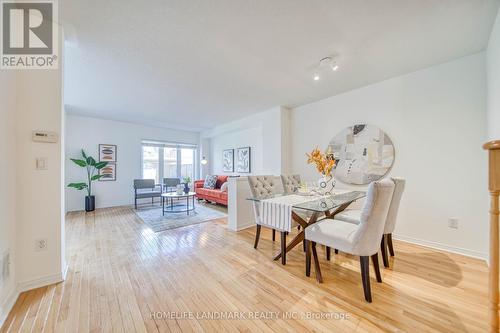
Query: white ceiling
193,64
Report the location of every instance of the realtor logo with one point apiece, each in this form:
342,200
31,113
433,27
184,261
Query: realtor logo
29,35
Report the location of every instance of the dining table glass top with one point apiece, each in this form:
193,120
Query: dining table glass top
316,202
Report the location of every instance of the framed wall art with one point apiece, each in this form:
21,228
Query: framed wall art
243,159
228,160
364,153
107,153
108,173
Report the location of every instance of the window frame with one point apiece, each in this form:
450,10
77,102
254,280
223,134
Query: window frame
178,146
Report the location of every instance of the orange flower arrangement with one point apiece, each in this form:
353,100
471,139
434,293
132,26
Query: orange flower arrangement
324,164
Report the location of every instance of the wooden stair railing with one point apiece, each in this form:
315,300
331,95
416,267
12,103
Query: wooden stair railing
493,148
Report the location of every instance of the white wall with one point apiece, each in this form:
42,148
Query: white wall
31,201
493,73
247,137
8,188
263,132
88,133
437,120
40,203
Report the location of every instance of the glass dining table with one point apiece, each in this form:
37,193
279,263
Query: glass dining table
316,207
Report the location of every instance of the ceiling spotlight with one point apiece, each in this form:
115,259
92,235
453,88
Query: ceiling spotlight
335,67
316,77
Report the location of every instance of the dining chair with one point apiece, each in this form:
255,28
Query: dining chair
290,183
354,216
357,239
261,187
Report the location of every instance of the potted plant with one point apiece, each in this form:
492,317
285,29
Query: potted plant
186,181
93,168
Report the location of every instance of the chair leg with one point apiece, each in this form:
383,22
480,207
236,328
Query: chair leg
389,242
319,278
304,245
336,251
135,203
383,249
365,277
308,258
376,267
257,236
283,247
274,235
328,252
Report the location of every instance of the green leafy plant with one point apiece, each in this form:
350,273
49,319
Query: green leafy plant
186,180
92,167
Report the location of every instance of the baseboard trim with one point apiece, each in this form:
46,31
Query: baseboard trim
7,306
243,227
43,281
443,247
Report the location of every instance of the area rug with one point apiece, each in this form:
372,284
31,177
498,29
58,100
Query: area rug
203,213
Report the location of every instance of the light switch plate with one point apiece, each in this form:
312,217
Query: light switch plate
41,163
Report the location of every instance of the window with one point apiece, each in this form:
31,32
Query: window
151,163
187,163
170,162
167,160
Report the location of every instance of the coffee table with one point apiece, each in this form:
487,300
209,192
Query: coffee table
169,198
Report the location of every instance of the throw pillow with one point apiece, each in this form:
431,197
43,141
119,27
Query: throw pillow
223,187
210,181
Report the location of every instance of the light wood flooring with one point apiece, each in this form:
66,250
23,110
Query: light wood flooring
125,278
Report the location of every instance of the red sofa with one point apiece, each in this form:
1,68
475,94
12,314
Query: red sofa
215,195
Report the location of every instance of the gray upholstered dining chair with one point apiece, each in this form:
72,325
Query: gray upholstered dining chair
354,216
290,183
170,183
145,189
261,187
357,239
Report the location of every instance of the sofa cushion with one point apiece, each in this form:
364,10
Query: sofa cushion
220,180
216,193
202,191
207,192
223,187
210,181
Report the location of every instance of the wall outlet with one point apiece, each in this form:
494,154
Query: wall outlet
41,244
453,223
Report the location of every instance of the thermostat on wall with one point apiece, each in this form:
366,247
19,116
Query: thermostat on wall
42,136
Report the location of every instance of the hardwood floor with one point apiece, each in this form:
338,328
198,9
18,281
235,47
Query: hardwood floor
123,277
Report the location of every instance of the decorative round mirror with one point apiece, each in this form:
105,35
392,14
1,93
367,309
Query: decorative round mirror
364,153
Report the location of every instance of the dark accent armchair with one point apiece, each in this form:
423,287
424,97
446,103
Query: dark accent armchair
145,189
170,183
